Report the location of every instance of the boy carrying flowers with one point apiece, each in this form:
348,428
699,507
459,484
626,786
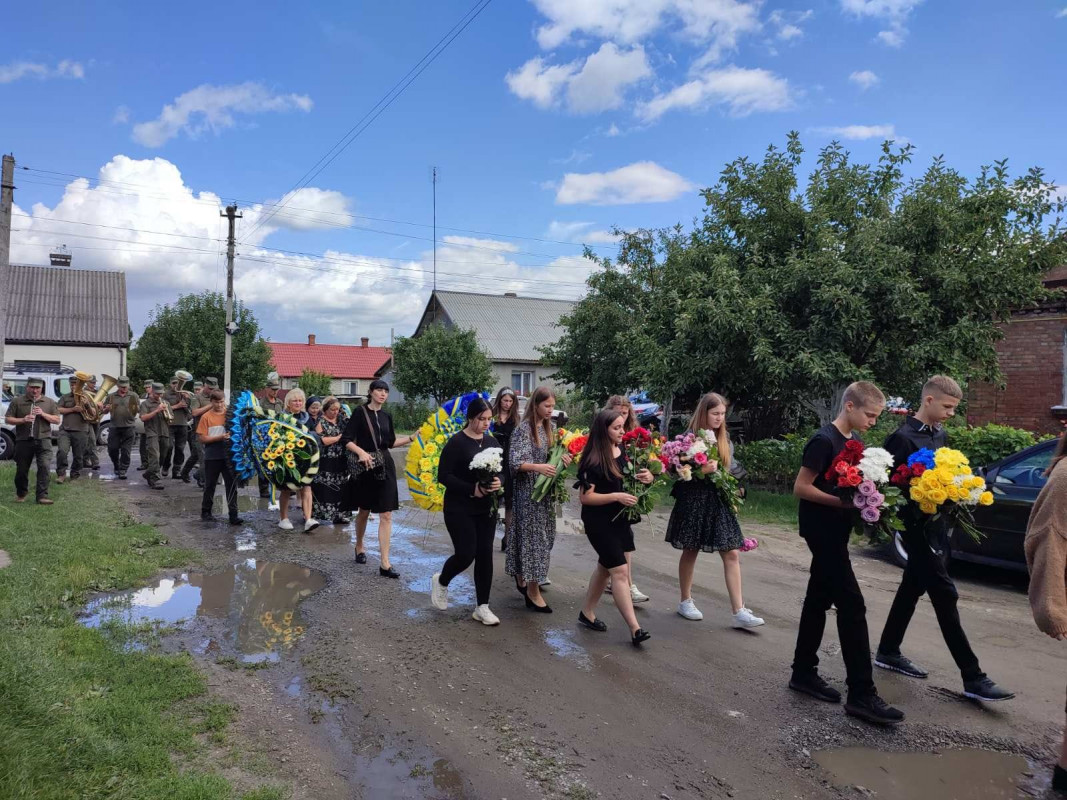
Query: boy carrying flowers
934,475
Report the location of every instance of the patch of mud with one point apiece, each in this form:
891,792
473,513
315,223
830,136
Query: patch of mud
563,645
402,775
255,603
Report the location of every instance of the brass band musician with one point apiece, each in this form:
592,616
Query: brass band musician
33,417
123,406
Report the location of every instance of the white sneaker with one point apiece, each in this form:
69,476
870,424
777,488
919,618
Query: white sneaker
688,609
285,525
636,595
310,525
273,506
746,619
438,593
485,616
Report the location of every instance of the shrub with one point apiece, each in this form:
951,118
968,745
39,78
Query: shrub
990,442
410,414
772,463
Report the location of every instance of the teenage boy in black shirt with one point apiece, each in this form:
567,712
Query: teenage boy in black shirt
925,541
825,524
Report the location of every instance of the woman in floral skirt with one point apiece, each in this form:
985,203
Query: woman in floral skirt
328,487
701,521
533,529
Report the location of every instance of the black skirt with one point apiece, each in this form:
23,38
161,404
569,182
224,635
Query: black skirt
701,521
370,492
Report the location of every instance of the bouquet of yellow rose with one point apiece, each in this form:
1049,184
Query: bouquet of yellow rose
941,482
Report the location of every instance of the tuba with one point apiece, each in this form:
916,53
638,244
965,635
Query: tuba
185,377
106,384
89,410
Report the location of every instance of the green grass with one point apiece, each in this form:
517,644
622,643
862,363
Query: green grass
83,716
770,508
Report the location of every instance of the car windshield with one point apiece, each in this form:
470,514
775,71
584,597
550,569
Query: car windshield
1028,471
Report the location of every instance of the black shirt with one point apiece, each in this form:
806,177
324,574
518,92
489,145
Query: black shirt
598,519
913,436
380,428
819,453
455,474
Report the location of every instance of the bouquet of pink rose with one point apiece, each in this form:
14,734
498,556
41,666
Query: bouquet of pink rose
862,474
686,455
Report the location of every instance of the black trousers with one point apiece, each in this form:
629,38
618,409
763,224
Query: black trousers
212,469
833,583
472,538
119,445
196,456
926,573
26,452
179,435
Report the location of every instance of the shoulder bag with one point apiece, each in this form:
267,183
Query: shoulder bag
377,463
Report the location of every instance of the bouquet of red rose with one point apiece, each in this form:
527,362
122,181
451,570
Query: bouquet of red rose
861,474
639,447
555,487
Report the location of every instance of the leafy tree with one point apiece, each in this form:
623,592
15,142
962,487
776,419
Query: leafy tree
190,335
782,294
314,383
441,362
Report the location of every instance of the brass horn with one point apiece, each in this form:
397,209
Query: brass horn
106,385
89,410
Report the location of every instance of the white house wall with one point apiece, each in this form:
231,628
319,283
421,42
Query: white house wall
97,360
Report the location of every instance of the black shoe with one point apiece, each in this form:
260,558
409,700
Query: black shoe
199,484
641,636
121,476
530,604
984,689
815,686
874,709
186,479
899,663
388,572
521,589
96,467
207,518
236,521
155,485
503,544
141,469
1059,779
593,624
361,558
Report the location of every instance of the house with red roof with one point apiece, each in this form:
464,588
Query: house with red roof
351,367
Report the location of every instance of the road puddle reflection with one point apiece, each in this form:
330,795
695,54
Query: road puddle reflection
395,773
256,601
965,774
562,644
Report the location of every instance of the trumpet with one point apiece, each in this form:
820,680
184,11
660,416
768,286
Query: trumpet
168,415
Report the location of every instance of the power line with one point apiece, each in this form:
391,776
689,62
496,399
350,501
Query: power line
398,89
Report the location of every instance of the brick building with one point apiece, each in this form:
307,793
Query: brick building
1033,360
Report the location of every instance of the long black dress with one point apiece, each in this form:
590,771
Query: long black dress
502,432
372,490
328,487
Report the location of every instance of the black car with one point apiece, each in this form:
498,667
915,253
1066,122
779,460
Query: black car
1015,482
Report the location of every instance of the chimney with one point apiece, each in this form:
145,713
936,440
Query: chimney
510,294
364,342
311,339
60,256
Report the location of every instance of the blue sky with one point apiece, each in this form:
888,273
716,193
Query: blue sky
548,119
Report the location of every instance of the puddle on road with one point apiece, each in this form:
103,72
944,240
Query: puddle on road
965,774
398,775
562,644
256,602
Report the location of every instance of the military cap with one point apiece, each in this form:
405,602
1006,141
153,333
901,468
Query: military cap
35,382
197,384
211,383
122,381
157,387
273,384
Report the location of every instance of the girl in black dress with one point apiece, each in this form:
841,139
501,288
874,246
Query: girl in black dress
618,402
370,430
603,501
469,513
701,521
505,418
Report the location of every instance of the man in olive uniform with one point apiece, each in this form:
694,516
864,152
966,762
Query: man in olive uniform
179,429
144,439
270,402
33,417
92,458
157,434
199,404
123,406
74,436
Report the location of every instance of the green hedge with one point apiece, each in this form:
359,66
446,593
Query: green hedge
774,463
409,415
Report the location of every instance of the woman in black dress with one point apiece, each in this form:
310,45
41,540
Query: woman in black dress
370,431
469,513
622,404
328,487
701,521
603,505
505,418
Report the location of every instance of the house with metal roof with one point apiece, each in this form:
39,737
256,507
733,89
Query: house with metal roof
509,327
351,367
59,316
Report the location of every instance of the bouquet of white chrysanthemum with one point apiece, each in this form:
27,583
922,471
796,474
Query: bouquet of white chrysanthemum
488,465
876,464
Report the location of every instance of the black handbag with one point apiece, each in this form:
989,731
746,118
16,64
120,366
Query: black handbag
377,462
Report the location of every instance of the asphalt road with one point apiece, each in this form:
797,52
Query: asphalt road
387,697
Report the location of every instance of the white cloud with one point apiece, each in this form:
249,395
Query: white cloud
1062,13
122,115
613,131
212,108
597,84
576,157
311,209
860,132
579,232
864,79
787,23
9,73
742,91
642,182
893,12
167,239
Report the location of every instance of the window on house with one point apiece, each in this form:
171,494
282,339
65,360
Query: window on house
352,388
522,383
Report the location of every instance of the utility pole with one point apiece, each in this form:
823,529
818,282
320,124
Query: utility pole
231,214
435,244
7,199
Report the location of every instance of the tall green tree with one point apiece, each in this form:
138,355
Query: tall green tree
441,362
190,334
783,294
314,383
